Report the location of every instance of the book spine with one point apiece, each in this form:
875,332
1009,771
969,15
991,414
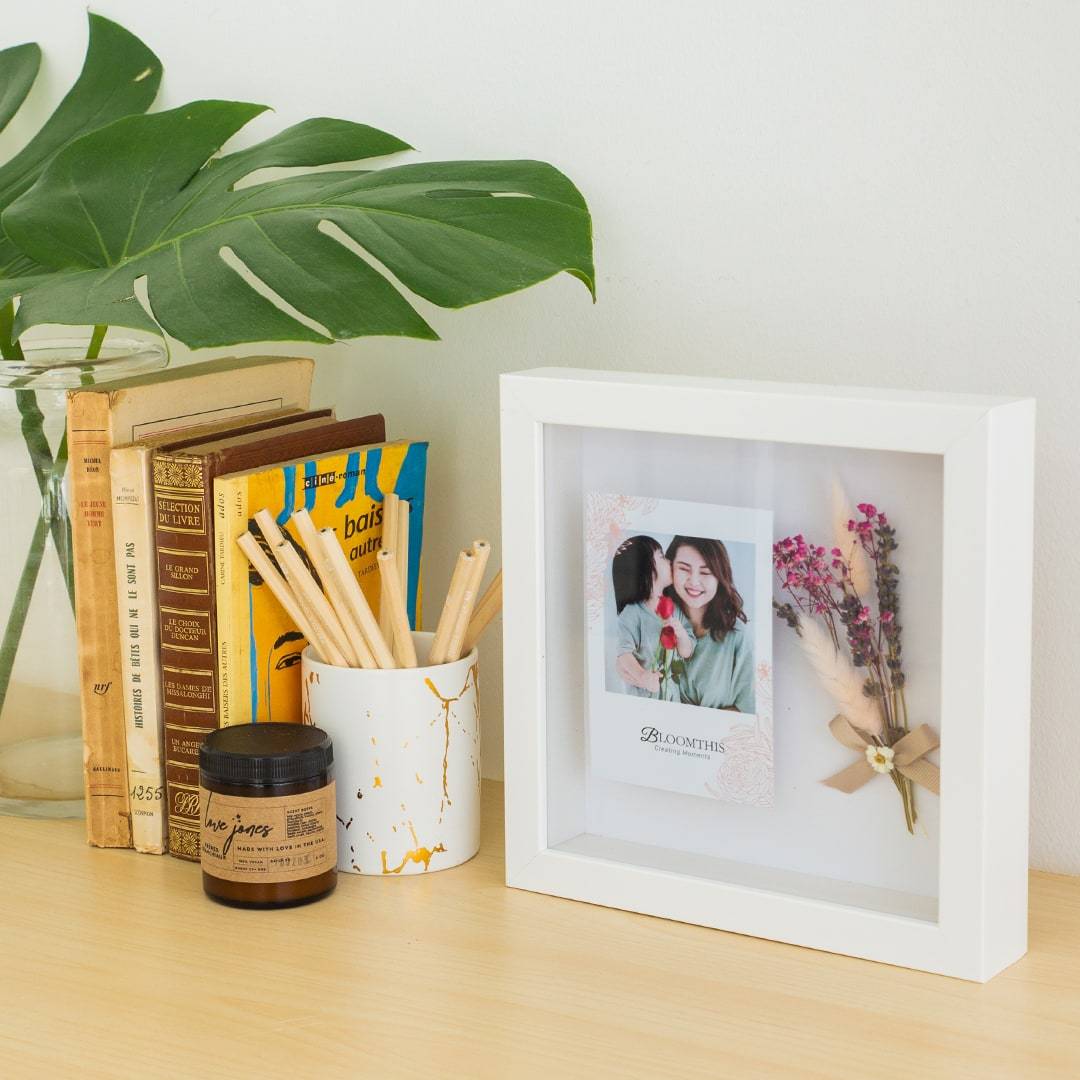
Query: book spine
136,593
183,520
233,602
108,816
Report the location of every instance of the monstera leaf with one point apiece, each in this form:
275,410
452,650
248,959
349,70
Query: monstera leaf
120,76
299,258
18,69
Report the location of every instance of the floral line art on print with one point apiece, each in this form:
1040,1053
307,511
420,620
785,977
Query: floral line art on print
606,516
746,773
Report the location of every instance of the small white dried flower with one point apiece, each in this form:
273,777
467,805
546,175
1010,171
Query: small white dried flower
880,758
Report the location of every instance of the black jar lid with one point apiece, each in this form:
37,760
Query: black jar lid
262,755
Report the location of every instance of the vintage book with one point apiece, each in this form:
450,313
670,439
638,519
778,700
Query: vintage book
244,682
259,647
136,591
183,516
99,418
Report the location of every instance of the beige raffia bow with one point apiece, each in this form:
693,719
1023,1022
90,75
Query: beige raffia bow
908,758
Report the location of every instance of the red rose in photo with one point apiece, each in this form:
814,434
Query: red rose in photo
665,608
667,636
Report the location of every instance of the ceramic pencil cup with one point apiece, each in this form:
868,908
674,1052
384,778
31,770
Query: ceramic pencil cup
406,761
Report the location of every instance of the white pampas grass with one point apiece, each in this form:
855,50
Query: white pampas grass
839,677
862,574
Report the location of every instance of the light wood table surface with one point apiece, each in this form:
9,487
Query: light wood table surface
115,965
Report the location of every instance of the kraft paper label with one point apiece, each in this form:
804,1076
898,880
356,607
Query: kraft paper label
277,839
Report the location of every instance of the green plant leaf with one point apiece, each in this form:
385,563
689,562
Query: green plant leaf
120,76
145,196
18,69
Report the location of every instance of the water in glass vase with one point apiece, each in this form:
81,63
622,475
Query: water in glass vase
41,771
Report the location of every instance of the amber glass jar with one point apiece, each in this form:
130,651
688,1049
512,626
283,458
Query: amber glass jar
269,832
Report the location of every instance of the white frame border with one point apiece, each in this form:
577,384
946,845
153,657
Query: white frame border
987,445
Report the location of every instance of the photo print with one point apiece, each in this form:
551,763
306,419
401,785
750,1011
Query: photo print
679,642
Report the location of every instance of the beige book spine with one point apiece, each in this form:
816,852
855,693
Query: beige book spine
136,597
233,614
108,816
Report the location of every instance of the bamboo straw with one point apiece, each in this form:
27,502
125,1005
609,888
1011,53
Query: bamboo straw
481,550
402,549
403,642
335,591
389,542
323,614
275,537
309,536
336,654
268,526
401,560
356,601
445,627
285,597
489,605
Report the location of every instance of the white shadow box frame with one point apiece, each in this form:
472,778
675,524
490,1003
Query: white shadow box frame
842,876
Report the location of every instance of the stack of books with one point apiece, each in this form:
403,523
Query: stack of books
177,634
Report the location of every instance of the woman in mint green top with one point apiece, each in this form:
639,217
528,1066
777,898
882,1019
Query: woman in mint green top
720,674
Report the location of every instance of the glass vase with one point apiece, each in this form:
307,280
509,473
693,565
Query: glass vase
41,772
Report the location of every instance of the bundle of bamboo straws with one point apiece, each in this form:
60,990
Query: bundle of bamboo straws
339,622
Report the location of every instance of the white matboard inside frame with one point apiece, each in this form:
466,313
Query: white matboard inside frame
662,531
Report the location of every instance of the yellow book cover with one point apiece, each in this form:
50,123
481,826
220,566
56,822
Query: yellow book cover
259,647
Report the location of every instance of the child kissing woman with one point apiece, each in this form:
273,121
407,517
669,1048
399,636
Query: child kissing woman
650,624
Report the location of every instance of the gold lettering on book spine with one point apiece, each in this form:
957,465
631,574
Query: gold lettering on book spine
179,511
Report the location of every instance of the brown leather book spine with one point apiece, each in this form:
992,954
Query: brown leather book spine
182,522
108,817
183,517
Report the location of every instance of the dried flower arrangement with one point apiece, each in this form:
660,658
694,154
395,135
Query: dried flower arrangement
829,609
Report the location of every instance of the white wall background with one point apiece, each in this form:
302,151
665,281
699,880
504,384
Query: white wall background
874,193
